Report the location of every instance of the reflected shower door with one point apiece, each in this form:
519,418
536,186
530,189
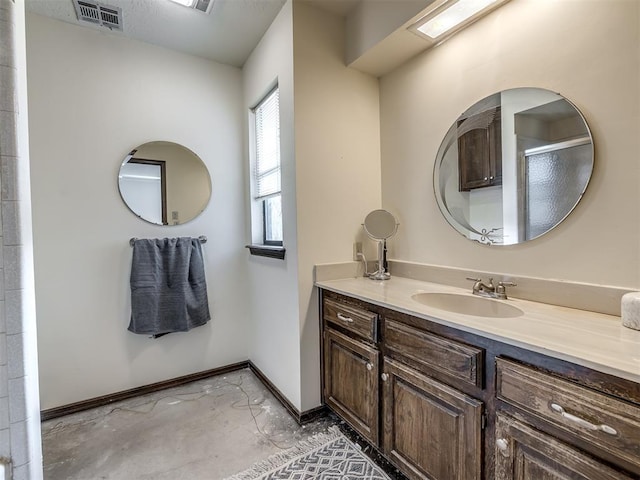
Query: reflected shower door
554,176
142,187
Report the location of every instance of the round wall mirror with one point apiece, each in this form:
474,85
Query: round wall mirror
513,166
164,183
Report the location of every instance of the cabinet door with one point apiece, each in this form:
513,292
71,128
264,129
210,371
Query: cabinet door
523,453
431,431
480,151
351,382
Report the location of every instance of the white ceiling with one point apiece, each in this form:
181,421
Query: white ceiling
227,35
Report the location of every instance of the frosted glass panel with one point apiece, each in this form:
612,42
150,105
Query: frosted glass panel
554,180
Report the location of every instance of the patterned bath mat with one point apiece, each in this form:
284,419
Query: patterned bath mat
327,456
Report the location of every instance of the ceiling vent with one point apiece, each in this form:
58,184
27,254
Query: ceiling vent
99,14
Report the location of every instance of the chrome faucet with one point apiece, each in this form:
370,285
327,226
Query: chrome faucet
479,288
490,290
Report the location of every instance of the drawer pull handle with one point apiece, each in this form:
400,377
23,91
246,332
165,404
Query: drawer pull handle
384,377
503,446
344,318
582,422
369,366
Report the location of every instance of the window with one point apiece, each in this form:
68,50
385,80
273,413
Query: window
267,197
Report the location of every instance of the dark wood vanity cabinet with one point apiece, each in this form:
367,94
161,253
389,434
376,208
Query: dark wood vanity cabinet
442,404
389,390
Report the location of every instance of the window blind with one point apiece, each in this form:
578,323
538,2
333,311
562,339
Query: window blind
267,168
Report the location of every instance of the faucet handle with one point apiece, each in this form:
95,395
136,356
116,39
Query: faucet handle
476,284
501,291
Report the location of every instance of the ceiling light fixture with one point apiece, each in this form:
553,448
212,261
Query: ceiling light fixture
185,3
451,16
201,5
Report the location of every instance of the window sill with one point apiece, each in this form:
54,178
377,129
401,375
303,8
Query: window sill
267,251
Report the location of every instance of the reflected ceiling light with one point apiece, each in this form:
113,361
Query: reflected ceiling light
451,16
186,3
201,5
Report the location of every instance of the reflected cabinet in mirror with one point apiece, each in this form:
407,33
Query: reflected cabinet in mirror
513,166
164,183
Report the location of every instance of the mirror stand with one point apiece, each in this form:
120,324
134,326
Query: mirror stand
381,273
380,225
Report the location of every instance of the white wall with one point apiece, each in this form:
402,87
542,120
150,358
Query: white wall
331,180
79,140
273,284
93,96
588,52
337,138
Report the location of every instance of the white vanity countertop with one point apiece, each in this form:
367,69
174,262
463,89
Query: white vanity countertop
590,339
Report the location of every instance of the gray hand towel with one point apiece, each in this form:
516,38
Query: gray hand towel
168,286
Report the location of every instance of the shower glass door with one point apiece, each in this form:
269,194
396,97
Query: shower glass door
554,176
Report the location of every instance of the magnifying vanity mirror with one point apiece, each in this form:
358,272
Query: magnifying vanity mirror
513,166
164,183
380,225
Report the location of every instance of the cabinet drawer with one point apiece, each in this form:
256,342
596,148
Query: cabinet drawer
609,424
356,320
425,350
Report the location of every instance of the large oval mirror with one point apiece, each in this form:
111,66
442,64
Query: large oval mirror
164,183
513,166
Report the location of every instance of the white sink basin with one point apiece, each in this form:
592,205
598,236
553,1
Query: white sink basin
468,305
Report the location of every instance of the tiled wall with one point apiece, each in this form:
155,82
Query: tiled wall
19,404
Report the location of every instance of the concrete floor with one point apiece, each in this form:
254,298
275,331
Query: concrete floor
205,430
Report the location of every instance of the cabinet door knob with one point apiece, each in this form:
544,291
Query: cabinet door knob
344,318
485,179
503,446
369,366
384,377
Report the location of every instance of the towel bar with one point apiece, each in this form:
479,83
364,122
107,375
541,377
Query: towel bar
202,239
